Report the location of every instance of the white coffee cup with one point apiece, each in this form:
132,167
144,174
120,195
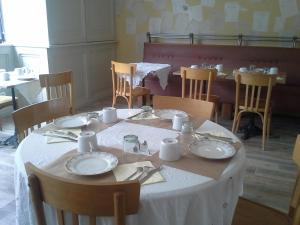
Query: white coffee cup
243,69
87,141
178,120
219,67
4,76
170,149
273,70
109,115
19,71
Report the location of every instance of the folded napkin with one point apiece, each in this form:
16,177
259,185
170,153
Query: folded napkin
123,171
214,133
57,136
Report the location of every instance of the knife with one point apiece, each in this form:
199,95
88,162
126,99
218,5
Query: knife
149,174
63,137
208,135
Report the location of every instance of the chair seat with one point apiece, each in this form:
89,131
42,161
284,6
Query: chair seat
5,101
138,91
251,213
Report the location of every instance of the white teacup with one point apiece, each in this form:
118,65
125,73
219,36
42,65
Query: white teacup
109,115
219,67
19,71
178,120
243,69
87,141
273,70
170,149
4,76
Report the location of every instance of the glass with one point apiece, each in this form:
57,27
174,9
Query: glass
93,115
131,144
252,67
187,127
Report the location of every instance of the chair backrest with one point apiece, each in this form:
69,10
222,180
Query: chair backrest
59,85
116,199
122,74
294,211
194,107
28,117
199,78
253,97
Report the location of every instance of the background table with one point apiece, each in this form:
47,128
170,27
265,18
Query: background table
185,198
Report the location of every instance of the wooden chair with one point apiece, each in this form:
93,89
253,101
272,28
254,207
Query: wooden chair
59,85
200,85
116,199
253,102
122,79
251,213
194,107
28,117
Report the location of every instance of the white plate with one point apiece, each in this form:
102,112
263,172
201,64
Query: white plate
167,114
91,163
76,121
212,149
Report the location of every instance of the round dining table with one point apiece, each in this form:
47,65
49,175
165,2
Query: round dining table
184,198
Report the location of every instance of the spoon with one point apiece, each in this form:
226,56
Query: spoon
139,169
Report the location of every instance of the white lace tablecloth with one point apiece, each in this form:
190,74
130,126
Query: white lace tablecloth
185,198
160,70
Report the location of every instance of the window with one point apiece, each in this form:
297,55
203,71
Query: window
2,38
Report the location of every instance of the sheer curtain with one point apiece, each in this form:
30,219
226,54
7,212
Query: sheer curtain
2,39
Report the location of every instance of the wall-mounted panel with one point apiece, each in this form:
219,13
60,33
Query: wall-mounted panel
65,21
99,20
99,83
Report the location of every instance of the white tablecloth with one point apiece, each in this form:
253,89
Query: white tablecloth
160,70
185,198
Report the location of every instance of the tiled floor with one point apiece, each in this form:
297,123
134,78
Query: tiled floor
269,178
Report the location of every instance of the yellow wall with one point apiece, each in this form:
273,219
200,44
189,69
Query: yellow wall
251,17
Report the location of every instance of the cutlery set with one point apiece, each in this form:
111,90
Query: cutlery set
144,172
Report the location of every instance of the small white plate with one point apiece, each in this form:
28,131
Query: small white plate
167,114
91,163
212,149
76,121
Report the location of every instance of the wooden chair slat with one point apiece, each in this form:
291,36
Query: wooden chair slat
252,97
257,98
195,89
92,220
60,217
75,219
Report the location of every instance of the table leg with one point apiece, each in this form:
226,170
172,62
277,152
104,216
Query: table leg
13,140
13,96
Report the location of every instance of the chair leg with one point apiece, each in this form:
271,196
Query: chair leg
216,115
268,125
234,120
265,121
238,120
114,101
130,102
